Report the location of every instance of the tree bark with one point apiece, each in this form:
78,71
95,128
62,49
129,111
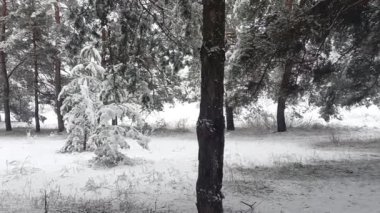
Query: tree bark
85,141
230,118
114,121
58,101
210,125
281,123
36,101
283,94
4,73
57,74
289,4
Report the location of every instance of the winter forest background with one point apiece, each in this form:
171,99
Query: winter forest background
189,105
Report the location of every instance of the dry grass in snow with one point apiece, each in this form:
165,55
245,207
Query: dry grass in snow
297,171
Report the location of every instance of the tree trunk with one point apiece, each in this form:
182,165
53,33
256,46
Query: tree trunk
289,4
58,88
36,102
284,88
6,91
281,123
210,125
57,74
85,141
230,118
114,121
283,94
4,74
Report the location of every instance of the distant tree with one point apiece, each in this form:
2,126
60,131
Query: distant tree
279,45
251,62
210,125
231,40
36,46
58,65
351,75
14,58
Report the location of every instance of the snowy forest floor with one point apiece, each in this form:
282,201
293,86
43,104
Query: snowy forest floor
302,170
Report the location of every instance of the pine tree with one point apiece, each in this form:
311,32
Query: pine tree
88,118
279,44
81,100
33,17
352,76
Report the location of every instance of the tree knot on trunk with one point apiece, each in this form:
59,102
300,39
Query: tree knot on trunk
210,195
210,50
206,125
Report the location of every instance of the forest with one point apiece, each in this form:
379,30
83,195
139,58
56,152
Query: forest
209,106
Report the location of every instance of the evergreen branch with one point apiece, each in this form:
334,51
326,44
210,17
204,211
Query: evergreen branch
162,27
266,69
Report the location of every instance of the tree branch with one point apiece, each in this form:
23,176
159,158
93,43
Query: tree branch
16,67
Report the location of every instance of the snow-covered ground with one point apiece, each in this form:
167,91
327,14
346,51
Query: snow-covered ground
329,167
318,170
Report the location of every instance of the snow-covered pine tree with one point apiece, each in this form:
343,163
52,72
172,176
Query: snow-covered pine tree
142,49
82,101
88,118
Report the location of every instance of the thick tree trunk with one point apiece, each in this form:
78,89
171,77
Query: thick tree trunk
114,121
6,91
57,75
4,74
283,94
210,125
230,118
36,101
289,4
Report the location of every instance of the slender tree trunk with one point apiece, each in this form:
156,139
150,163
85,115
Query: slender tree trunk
58,88
281,123
4,73
283,94
230,118
85,141
36,101
210,125
106,34
284,88
57,74
107,45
